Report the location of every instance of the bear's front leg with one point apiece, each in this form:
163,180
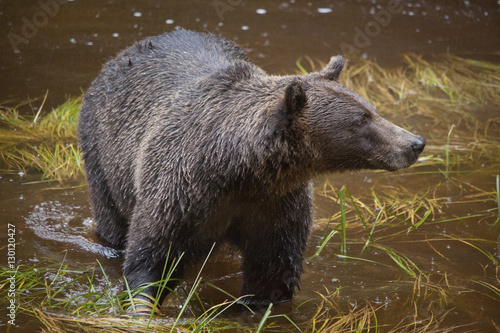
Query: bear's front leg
264,284
273,245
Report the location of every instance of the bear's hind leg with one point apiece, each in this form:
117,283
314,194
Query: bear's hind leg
111,226
149,257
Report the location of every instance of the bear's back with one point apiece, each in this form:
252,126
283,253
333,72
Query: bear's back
180,56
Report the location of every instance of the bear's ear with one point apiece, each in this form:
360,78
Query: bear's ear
332,70
295,97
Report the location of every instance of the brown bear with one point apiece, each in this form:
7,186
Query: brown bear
186,143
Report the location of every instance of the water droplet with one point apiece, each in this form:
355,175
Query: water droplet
324,10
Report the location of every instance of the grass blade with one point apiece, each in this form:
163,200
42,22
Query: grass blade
498,199
262,322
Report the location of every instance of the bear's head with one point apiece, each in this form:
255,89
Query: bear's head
343,128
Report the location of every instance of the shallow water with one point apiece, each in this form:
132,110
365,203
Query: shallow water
66,52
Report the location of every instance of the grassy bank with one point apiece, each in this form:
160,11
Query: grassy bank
44,144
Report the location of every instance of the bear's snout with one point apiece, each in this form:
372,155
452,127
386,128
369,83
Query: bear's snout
392,148
418,145
405,157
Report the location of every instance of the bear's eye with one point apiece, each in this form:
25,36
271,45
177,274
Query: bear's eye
363,118
367,116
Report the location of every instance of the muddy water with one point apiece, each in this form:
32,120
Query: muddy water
63,50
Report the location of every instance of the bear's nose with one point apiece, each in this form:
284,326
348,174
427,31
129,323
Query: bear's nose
418,145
